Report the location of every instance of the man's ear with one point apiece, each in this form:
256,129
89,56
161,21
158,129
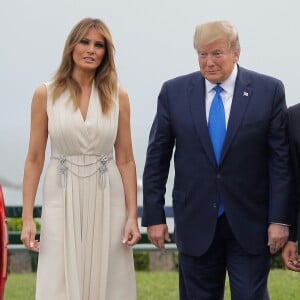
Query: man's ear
236,56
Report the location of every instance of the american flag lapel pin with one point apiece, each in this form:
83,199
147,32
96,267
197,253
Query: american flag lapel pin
245,94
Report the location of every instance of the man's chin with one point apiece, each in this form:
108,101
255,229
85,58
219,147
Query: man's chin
213,79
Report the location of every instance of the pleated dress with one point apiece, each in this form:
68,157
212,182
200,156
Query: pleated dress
83,216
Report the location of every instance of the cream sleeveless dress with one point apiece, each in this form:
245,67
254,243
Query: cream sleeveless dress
81,252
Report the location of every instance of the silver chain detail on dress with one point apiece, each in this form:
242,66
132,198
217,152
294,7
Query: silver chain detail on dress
63,169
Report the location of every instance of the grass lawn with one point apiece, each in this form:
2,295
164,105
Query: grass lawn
283,285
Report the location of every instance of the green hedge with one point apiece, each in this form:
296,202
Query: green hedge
15,224
141,261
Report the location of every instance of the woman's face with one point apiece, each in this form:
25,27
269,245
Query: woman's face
89,52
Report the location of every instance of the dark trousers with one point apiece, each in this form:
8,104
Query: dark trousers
203,277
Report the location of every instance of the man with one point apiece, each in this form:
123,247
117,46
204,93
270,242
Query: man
231,186
291,251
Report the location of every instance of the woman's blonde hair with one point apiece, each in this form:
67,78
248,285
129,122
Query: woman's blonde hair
105,79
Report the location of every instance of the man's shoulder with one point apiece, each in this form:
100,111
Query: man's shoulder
294,109
257,75
181,79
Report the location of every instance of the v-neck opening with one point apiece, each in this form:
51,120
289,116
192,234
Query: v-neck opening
88,107
87,112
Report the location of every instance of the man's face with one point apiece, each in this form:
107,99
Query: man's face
216,60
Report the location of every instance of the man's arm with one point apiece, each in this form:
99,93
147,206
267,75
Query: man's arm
159,153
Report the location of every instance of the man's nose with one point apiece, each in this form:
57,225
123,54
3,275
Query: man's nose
210,59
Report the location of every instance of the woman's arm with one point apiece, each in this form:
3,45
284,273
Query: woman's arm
34,164
126,164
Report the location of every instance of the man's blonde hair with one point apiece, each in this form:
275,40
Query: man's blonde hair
209,32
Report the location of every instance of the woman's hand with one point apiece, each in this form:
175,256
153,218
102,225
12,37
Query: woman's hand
131,232
28,235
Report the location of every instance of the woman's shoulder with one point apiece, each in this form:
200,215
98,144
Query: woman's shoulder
41,90
39,99
123,97
122,92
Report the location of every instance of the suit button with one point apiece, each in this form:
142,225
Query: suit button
218,175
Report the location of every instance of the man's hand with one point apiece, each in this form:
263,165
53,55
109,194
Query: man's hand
290,256
158,234
278,235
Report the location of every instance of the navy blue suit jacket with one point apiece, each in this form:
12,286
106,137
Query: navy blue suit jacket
253,177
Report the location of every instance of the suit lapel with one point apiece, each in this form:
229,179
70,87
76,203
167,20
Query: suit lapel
240,101
196,97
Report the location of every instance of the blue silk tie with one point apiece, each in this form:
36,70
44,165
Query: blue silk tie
217,130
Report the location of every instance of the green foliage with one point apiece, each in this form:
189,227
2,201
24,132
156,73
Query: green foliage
277,262
15,224
141,261
175,255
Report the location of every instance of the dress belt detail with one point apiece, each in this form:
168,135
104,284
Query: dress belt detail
65,160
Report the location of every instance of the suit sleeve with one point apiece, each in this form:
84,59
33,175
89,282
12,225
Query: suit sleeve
280,198
159,154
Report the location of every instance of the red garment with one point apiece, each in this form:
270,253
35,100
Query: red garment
3,246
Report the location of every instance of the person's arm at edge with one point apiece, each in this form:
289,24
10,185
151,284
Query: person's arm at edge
290,251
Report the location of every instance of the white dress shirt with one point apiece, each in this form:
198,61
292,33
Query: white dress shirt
226,95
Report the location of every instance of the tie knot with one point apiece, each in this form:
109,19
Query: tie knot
218,89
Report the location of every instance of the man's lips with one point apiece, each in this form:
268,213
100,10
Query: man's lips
211,71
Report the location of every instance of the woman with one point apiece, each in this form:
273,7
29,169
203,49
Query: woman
89,216
291,251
